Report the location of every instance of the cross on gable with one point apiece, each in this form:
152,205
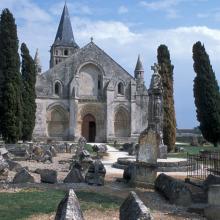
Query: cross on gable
156,68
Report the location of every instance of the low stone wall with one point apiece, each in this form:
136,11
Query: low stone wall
174,190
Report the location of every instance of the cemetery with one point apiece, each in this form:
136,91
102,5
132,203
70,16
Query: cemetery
87,140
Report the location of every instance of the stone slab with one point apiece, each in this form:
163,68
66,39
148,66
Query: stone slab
69,208
134,209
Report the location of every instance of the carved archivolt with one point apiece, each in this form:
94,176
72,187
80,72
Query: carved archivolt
122,122
94,110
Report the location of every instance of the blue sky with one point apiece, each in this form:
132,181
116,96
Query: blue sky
126,28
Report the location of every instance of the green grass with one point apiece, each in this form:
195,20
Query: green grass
88,147
192,150
23,204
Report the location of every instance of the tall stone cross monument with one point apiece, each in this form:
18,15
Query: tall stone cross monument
144,170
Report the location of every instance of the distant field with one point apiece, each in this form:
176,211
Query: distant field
191,150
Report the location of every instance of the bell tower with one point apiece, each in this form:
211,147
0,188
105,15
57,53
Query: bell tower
64,44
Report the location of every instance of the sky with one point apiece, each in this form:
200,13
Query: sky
126,28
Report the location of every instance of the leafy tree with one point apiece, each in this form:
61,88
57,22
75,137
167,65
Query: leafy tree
169,118
206,94
28,93
10,85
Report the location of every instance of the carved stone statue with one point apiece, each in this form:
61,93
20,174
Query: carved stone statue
156,82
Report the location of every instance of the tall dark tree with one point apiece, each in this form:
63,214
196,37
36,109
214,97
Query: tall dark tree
28,93
10,85
169,118
206,94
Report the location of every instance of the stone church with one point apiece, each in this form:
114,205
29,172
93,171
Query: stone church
86,93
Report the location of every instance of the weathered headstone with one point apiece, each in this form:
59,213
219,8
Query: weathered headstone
69,208
134,209
23,176
148,146
132,149
143,171
47,157
75,175
175,190
211,180
3,169
53,151
3,164
96,173
48,176
14,166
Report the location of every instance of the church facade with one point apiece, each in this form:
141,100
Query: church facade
86,93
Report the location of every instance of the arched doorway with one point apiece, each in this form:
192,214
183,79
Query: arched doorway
57,122
89,128
122,123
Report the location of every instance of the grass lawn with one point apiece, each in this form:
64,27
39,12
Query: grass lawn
23,204
192,150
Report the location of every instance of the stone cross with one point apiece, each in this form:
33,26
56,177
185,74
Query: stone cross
156,68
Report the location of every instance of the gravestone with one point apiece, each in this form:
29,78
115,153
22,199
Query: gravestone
143,171
69,208
3,169
96,173
23,176
48,176
75,175
148,147
134,209
176,191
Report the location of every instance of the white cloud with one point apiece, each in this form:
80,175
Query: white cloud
168,6
26,10
122,9
160,5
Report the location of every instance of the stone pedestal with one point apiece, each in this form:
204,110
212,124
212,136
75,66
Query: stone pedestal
143,174
144,170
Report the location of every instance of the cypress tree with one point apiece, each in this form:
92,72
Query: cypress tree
206,94
169,118
10,87
28,93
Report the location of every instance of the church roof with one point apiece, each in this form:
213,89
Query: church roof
64,36
139,66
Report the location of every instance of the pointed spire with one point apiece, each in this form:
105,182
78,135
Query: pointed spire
139,66
64,36
37,62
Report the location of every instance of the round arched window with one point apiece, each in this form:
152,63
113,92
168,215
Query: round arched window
57,88
66,52
120,88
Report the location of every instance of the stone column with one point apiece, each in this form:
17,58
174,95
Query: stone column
73,105
110,115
